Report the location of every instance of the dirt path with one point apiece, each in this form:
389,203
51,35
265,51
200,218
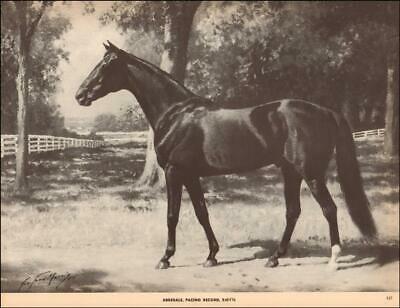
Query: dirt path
131,269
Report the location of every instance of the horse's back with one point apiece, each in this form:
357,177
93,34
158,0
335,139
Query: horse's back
239,139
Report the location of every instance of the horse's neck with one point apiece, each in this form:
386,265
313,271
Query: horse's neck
154,90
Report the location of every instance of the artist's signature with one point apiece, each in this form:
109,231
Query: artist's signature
48,278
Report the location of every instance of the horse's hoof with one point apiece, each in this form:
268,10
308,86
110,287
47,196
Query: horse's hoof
162,265
272,262
210,263
333,266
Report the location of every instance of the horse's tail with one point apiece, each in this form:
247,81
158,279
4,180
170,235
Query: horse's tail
351,182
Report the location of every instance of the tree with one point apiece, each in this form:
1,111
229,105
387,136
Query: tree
28,18
30,74
105,122
9,70
43,116
330,54
341,16
392,96
249,53
174,19
132,119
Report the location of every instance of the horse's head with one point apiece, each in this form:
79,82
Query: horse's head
106,77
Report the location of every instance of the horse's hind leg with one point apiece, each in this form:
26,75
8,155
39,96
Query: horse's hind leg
292,182
196,194
321,194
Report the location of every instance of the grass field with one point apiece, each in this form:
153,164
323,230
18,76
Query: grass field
85,199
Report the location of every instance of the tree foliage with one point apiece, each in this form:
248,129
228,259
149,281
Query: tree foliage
128,119
246,54
147,16
43,115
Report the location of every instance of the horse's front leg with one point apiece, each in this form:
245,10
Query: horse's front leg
174,191
196,194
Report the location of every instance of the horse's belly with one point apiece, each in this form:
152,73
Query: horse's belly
234,147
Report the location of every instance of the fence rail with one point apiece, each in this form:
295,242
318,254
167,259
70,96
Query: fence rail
380,132
114,138
44,143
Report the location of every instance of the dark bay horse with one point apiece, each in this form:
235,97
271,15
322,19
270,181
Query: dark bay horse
194,138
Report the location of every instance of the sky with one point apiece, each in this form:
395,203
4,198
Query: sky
84,42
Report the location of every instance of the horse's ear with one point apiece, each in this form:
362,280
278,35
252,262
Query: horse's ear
106,47
112,46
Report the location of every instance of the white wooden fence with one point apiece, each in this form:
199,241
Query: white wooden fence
369,133
115,138
44,143
141,137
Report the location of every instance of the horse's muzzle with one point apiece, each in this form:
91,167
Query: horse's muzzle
82,98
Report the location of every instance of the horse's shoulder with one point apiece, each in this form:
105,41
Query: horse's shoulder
177,118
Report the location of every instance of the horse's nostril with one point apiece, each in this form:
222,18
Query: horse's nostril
80,96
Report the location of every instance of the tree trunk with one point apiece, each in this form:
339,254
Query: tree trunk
26,31
21,184
350,112
178,23
365,114
153,175
391,146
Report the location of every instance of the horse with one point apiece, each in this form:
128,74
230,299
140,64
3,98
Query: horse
195,138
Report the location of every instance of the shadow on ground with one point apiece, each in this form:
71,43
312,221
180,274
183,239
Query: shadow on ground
361,254
35,278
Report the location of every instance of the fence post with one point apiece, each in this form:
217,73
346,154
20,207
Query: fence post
2,147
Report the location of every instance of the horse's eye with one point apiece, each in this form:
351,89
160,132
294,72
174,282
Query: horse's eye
106,67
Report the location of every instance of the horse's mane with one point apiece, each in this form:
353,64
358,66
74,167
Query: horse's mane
153,69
